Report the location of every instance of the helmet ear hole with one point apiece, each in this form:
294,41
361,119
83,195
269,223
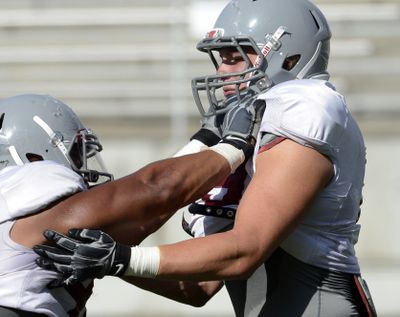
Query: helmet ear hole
291,62
32,157
315,20
2,119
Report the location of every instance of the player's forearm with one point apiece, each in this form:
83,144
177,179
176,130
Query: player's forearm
226,253
179,181
163,188
221,256
133,207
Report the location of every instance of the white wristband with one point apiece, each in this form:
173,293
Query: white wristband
233,155
193,146
144,262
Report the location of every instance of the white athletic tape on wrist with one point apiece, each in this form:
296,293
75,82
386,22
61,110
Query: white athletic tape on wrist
192,147
233,155
144,262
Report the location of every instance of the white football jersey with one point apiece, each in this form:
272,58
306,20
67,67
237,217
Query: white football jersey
24,190
313,114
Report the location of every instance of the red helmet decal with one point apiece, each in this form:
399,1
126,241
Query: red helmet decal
214,33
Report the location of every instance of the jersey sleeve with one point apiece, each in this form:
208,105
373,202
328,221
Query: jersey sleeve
309,112
31,187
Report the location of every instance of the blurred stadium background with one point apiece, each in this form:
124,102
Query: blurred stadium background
125,67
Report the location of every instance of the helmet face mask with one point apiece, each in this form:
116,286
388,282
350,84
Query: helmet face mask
290,37
212,85
85,159
39,127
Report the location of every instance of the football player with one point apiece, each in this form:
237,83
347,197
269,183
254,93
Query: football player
290,249
52,177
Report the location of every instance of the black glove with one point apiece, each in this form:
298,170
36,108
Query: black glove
83,254
242,123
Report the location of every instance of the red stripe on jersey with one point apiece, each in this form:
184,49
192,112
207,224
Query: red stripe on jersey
270,145
363,297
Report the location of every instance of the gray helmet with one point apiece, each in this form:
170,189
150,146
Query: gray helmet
39,127
291,38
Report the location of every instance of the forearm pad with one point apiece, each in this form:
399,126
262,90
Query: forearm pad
144,262
240,144
206,137
198,142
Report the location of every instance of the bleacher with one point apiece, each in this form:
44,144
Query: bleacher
135,59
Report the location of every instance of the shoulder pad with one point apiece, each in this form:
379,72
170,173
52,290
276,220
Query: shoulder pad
308,111
40,182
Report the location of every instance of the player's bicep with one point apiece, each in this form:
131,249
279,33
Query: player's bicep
87,209
288,176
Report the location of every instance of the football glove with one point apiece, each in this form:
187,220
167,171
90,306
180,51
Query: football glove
210,131
242,123
83,254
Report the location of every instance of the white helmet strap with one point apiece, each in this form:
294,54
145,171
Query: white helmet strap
272,42
14,154
54,137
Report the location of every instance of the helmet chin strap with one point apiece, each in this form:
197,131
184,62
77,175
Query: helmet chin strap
14,154
56,138
272,43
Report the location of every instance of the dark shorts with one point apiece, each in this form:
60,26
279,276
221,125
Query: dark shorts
285,286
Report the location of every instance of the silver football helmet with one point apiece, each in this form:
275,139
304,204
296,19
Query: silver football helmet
39,127
290,37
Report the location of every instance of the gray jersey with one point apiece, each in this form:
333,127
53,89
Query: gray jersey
23,190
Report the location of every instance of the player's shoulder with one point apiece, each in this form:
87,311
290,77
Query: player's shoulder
310,95
42,169
41,182
305,109
41,176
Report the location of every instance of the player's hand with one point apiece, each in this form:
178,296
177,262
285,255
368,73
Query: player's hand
210,131
83,254
242,123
